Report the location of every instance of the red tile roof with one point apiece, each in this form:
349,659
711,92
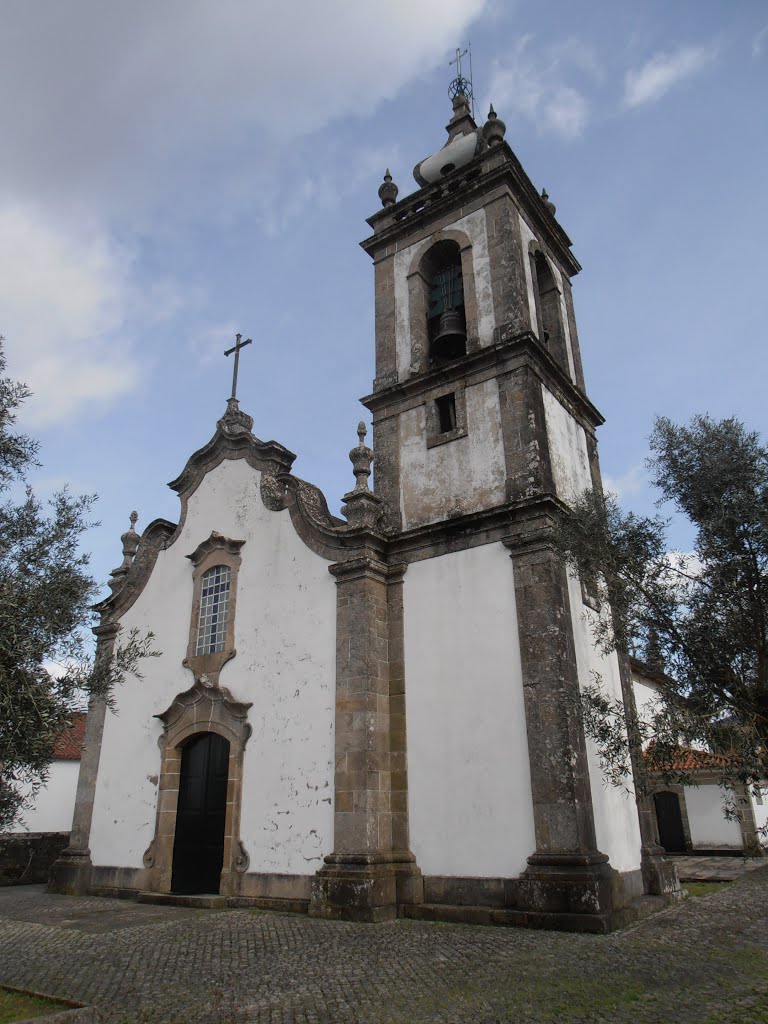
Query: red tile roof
684,759
69,745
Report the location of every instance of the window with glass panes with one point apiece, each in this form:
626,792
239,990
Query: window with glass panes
214,610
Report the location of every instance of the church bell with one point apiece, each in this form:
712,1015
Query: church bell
450,341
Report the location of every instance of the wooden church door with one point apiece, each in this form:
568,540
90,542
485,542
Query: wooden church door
671,834
198,848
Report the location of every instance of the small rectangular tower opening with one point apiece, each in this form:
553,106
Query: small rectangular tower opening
446,413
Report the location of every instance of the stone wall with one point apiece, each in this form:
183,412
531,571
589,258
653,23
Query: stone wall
27,857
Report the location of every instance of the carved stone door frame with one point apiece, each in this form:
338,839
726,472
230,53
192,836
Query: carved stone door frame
203,708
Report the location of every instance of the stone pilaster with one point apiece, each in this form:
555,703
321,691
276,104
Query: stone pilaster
659,873
575,347
748,823
370,869
505,258
568,880
524,429
71,873
386,350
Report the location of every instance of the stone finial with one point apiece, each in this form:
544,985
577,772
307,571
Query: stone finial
234,420
549,205
388,190
494,128
362,507
130,540
361,458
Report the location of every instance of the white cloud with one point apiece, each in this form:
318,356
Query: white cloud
131,102
139,118
210,343
663,71
633,481
566,113
537,84
64,295
759,43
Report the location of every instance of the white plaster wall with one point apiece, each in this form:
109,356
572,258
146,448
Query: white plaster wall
285,665
475,227
760,807
52,808
647,699
456,477
617,827
469,787
616,822
568,449
709,827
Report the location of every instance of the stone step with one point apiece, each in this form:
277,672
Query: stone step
214,901
509,917
200,901
285,906
461,914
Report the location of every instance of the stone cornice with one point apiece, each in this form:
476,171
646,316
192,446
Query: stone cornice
364,566
461,188
508,351
514,523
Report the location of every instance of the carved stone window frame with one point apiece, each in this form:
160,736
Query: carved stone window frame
434,434
201,709
216,550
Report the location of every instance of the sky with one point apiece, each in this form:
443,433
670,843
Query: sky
176,171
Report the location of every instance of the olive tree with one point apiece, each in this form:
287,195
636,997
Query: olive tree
45,597
699,619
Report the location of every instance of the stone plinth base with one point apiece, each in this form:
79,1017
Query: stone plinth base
71,873
567,892
599,923
365,887
659,873
566,884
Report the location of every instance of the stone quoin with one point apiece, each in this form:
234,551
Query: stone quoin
377,716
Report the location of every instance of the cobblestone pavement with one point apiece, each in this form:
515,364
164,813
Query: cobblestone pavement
714,869
703,961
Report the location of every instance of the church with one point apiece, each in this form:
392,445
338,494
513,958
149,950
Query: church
376,716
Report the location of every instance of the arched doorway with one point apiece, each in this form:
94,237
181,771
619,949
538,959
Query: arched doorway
198,846
670,819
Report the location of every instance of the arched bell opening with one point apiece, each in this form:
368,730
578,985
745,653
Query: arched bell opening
549,319
446,313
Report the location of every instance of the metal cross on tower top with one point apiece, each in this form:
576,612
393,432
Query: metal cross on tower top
236,349
457,60
460,84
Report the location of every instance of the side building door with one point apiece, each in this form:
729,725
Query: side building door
670,819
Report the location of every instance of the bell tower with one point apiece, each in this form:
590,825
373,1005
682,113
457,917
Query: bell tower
473,312
483,433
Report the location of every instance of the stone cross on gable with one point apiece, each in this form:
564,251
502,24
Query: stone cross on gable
236,349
